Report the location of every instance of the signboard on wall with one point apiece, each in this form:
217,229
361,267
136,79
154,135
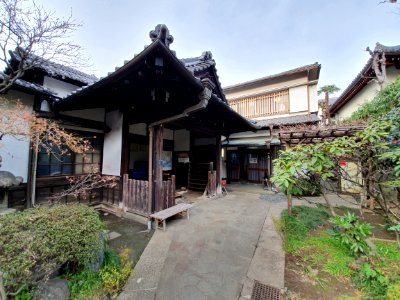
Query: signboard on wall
253,159
183,157
166,160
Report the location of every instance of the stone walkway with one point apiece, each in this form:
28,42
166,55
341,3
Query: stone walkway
227,244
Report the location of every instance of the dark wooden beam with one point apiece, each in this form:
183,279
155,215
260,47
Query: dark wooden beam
157,168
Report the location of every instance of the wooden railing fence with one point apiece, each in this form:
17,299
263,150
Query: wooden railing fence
135,195
262,105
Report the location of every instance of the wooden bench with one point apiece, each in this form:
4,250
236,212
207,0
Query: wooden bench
161,216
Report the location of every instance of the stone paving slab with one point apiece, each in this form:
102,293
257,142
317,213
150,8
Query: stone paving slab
210,254
143,281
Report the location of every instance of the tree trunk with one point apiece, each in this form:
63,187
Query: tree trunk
327,112
329,204
289,208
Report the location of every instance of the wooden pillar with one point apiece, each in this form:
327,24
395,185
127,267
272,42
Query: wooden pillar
157,169
218,160
125,145
150,206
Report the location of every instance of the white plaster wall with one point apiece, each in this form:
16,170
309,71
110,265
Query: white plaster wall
15,152
298,99
182,140
139,129
313,91
113,144
365,95
60,87
223,163
95,114
261,88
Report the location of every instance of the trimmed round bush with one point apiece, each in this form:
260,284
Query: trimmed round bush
36,243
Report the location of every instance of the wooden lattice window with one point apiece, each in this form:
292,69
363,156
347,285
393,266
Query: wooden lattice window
262,105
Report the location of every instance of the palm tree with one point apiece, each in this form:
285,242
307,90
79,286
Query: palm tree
328,89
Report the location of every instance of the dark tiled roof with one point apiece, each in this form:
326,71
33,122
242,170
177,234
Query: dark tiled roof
293,120
270,77
366,74
198,64
202,63
55,69
33,87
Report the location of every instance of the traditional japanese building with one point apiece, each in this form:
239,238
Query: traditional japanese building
156,119
285,99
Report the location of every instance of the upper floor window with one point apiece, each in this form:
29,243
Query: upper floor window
263,105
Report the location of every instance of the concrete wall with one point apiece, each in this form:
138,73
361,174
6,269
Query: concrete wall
15,151
365,95
60,87
94,114
113,144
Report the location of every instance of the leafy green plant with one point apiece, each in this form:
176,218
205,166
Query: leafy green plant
113,276
37,242
351,232
109,280
371,280
393,291
83,284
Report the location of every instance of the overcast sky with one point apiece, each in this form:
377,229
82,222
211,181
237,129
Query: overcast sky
248,39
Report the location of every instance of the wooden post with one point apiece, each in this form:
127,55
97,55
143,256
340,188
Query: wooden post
150,193
125,191
173,183
218,165
157,169
125,145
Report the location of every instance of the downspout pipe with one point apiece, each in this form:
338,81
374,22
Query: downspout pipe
204,96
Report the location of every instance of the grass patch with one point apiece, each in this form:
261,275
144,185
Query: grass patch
327,254
296,227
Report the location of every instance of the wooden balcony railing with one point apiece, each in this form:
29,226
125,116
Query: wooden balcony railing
263,105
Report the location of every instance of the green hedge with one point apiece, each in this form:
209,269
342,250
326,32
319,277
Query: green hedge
37,242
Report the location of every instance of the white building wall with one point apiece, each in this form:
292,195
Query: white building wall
15,151
263,88
365,95
60,87
298,99
313,93
113,144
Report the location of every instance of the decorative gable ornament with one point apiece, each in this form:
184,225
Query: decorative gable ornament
161,32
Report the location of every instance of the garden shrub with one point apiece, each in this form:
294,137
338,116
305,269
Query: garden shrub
36,243
351,232
109,281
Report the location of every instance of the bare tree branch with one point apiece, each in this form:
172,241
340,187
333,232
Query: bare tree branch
31,36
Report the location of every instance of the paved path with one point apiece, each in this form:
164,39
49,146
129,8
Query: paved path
214,255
